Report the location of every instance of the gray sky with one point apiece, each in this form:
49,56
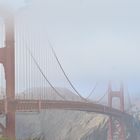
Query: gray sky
95,40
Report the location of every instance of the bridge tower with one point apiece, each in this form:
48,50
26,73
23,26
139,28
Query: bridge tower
120,95
7,58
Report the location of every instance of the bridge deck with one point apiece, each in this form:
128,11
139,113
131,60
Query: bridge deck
38,105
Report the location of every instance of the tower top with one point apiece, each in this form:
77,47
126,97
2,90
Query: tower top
6,12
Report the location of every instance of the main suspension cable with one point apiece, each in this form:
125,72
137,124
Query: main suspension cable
71,84
41,71
92,91
129,99
100,99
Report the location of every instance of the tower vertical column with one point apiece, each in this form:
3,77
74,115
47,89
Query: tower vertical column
110,137
9,66
120,95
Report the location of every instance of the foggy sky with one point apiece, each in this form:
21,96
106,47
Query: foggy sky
95,40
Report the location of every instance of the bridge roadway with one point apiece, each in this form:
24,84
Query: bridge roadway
27,105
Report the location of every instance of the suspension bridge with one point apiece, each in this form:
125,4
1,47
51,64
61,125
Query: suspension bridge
11,102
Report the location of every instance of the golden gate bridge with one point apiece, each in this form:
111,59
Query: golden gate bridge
12,103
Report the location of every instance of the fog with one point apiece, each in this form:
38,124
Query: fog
95,41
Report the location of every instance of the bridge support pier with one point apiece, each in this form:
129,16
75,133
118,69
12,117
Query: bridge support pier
10,125
120,95
110,135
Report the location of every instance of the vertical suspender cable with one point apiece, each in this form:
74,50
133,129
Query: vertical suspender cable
30,64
